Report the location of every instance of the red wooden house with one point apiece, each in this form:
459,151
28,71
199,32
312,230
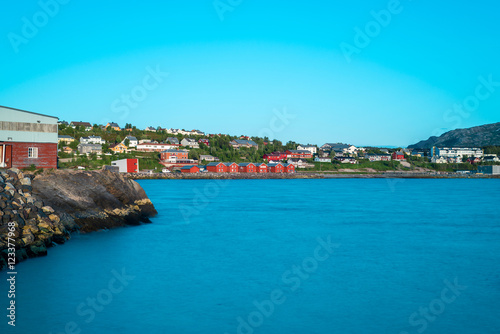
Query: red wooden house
301,154
261,168
289,168
231,167
247,167
398,155
216,167
275,156
276,168
190,169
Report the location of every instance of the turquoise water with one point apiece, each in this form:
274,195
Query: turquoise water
279,256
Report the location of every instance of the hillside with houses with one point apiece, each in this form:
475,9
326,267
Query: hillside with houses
161,150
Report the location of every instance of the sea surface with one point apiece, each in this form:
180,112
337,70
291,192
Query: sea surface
278,256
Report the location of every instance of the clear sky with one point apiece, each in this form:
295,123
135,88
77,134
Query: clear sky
359,72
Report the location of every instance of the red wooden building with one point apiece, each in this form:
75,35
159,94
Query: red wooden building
398,155
276,168
275,156
231,167
27,138
190,169
261,168
247,167
216,167
300,154
289,168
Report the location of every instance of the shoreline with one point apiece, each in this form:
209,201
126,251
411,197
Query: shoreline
303,175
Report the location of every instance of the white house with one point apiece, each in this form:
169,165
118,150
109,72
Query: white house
150,129
310,148
155,147
132,141
92,140
319,159
457,152
439,160
190,142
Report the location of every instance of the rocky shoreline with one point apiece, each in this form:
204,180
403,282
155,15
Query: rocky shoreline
48,207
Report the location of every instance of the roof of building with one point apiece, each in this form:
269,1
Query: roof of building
214,163
113,125
189,167
29,112
244,142
129,138
65,136
86,124
300,151
174,151
245,164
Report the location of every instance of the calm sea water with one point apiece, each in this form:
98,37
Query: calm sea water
279,256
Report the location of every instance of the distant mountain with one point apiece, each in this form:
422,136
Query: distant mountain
477,136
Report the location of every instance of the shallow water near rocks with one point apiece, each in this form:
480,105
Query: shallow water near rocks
278,256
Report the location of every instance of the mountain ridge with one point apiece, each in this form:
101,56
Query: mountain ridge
477,136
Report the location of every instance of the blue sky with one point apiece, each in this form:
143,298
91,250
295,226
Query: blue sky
285,69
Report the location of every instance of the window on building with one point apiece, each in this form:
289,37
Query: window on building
33,152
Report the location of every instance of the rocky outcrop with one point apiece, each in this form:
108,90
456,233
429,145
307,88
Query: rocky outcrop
48,207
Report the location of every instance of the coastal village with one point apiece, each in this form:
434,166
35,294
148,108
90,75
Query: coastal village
83,145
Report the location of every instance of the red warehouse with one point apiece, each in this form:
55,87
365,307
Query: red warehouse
276,168
127,165
216,167
190,169
261,168
289,168
231,167
27,138
246,167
